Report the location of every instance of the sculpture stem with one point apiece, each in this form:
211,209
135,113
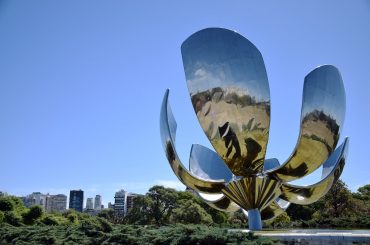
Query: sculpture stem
254,220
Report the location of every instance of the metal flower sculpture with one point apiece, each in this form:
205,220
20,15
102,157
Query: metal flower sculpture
229,91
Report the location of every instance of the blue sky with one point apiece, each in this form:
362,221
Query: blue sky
81,84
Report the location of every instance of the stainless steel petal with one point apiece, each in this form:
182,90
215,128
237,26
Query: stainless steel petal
223,203
229,90
253,192
332,169
206,164
271,211
323,111
168,132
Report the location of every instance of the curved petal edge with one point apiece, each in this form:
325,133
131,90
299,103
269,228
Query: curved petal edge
168,134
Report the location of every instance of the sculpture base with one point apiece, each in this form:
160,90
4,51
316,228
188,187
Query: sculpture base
254,220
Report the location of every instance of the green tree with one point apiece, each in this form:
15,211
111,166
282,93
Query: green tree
12,218
107,214
281,221
338,200
218,216
363,193
238,218
140,212
161,203
300,212
2,217
34,213
189,212
6,204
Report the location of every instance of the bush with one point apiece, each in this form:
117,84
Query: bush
34,213
49,220
6,204
2,217
12,218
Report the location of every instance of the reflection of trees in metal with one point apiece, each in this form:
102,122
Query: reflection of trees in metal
229,91
231,141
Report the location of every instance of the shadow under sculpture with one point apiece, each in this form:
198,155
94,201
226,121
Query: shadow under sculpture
229,91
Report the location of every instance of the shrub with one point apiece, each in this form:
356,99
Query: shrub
34,213
6,204
49,220
12,218
2,217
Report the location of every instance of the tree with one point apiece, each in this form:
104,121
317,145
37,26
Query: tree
156,206
6,204
300,212
107,214
363,193
161,202
238,218
34,213
140,212
2,217
337,200
190,212
283,220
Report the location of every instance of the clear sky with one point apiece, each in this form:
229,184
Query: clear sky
81,84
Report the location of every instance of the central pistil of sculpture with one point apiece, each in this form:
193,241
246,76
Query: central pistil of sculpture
229,91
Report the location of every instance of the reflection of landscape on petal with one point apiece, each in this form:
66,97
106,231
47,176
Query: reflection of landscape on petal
321,127
237,126
319,137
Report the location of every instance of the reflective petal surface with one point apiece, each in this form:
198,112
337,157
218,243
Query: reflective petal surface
323,111
206,164
271,211
229,91
168,133
223,203
332,169
253,192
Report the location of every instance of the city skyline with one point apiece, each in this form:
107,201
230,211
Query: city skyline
80,96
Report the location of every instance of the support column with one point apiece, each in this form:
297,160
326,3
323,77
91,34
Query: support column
254,220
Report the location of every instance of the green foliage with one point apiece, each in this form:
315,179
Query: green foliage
339,208
190,212
237,219
6,204
125,234
12,218
337,200
34,213
107,214
2,217
155,207
50,220
161,202
11,203
281,221
300,212
363,193
72,217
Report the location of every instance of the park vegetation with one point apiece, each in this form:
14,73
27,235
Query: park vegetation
166,216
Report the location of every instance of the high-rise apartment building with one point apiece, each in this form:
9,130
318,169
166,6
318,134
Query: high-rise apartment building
130,201
110,205
89,203
119,202
123,202
76,198
36,198
56,203
97,203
